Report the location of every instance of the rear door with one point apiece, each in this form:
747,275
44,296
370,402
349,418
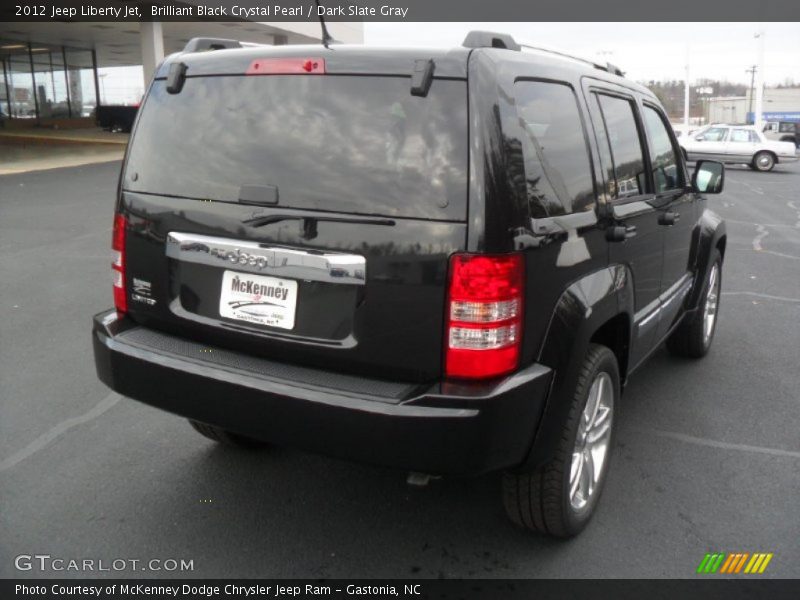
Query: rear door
620,140
741,144
304,218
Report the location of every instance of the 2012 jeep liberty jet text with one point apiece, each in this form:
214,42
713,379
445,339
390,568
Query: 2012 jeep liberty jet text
448,262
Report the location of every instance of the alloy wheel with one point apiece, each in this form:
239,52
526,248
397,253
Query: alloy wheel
590,454
711,304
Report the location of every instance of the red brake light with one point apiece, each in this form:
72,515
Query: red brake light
287,66
484,315
118,263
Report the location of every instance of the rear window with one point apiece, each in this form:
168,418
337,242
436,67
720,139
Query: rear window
341,143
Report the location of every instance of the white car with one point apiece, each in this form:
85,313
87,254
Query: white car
738,144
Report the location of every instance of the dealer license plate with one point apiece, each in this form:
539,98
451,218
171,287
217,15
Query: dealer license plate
257,299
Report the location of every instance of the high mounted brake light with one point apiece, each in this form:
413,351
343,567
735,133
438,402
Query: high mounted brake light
484,315
287,66
118,263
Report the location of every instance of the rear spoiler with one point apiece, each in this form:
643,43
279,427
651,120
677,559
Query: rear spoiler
202,44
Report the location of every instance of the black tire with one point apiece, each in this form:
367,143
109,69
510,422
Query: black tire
689,340
763,161
228,438
539,499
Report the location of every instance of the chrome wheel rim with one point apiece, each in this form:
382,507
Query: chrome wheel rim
712,303
590,454
764,161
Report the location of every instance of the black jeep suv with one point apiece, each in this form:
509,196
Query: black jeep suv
448,262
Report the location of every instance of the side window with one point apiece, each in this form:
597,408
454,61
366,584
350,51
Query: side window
627,159
558,171
742,135
715,134
664,161
786,127
754,137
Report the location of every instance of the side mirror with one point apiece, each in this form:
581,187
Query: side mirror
708,177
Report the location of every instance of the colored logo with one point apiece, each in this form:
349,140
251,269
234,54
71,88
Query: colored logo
734,562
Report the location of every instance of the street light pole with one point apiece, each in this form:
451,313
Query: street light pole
752,70
757,121
686,94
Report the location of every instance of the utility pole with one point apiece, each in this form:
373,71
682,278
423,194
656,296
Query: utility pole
752,70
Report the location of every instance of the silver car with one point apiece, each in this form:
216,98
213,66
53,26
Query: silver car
737,144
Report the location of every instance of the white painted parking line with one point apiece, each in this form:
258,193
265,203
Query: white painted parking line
49,436
690,439
759,295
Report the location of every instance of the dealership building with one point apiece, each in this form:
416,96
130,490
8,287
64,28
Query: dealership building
780,104
50,69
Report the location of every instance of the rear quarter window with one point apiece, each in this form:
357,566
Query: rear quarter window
558,171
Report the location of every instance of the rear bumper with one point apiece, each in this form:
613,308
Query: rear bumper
446,428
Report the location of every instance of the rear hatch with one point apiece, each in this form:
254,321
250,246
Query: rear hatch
302,218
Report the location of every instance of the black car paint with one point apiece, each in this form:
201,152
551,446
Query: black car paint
566,307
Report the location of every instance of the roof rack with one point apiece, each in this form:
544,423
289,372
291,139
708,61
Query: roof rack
490,39
201,44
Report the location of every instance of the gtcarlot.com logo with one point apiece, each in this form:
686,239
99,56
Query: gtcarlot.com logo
46,562
734,563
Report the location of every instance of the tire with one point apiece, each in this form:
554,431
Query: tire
763,161
540,499
228,438
691,339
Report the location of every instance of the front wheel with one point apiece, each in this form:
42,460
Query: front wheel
559,497
763,161
694,335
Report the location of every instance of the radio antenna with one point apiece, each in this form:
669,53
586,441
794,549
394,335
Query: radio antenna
326,37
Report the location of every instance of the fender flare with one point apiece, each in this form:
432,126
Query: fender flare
583,308
709,233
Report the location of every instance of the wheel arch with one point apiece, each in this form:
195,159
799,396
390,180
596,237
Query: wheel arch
597,308
765,151
710,234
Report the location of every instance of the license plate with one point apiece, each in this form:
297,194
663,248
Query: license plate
257,299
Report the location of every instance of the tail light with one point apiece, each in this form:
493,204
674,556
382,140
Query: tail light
484,315
118,263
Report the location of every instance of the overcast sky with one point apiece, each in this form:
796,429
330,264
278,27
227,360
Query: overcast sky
643,50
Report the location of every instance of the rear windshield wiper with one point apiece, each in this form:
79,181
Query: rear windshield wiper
310,223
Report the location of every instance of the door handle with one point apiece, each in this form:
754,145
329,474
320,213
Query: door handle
669,218
619,233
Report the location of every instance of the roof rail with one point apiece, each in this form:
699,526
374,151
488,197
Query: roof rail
201,44
490,39
614,70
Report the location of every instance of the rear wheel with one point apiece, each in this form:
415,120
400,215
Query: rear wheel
763,161
559,497
694,335
228,438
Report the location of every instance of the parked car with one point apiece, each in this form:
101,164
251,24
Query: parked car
737,144
445,261
783,131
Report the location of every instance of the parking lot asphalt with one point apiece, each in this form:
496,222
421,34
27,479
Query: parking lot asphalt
707,454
